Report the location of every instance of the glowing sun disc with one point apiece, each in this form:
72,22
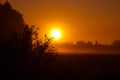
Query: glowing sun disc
56,34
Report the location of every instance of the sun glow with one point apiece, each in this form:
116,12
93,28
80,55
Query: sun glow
56,34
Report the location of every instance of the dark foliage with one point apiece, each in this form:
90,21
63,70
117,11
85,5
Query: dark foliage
10,21
22,54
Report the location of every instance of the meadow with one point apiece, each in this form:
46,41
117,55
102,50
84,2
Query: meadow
87,66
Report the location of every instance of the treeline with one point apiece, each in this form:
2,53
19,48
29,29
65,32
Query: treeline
90,45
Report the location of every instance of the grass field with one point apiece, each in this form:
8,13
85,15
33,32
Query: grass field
87,67
72,67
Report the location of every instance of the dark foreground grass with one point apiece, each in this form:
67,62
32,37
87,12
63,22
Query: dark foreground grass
70,67
89,66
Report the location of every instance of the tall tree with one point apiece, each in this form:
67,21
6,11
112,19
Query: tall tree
10,21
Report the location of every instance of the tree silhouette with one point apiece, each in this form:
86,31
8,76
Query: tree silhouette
20,46
10,21
116,43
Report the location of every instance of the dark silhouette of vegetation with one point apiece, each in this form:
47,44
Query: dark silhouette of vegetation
116,43
10,21
90,47
22,53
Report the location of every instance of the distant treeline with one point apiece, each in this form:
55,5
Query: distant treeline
115,45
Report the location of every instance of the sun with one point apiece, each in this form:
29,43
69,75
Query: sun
56,34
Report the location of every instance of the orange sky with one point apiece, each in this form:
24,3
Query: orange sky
78,19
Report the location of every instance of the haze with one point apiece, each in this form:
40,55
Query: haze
87,20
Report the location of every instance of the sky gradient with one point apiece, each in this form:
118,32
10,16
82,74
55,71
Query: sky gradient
88,20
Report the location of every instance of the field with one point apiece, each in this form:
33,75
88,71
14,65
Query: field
87,67
72,67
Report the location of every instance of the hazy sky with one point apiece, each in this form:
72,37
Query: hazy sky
78,19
